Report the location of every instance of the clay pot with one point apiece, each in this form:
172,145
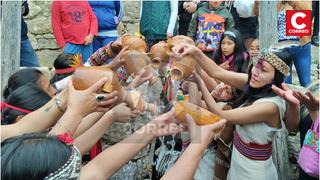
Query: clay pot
182,67
84,77
200,116
180,39
134,43
134,100
158,55
135,61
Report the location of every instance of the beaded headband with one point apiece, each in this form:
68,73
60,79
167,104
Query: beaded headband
275,61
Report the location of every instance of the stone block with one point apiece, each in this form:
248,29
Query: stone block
40,25
47,57
47,44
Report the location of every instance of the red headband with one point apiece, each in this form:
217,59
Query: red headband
65,71
4,105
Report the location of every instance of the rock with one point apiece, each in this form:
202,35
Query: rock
48,36
40,25
47,57
34,10
33,41
47,44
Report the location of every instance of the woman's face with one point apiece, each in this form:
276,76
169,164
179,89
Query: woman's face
254,48
46,86
227,46
262,74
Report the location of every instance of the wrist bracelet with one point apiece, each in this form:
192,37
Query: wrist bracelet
57,101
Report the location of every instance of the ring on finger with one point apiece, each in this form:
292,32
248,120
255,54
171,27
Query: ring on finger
99,98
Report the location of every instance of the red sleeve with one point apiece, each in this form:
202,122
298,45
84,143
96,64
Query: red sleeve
93,21
56,23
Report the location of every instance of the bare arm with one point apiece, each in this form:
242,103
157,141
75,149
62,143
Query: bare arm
258,112
35,121
236,80
87,122
113,158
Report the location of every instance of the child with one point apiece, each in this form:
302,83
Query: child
74,26
254,50
208,24
109,14
231,53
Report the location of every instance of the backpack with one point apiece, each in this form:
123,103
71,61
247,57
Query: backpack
209,31
309,154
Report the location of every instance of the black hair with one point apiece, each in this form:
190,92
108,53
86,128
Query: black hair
29,97
32,156
251,94
240,62
63,61
20,78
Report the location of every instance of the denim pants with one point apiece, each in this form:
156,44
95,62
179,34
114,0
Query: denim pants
84,50
100,41
301,56
28,57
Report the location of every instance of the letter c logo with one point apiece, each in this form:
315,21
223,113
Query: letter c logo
294,20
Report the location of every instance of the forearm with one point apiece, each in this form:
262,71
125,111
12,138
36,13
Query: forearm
237,80
34,121
210,102
292,118
210,82
173,15
86,140
68,123
187,164
104,165
87,122
194,96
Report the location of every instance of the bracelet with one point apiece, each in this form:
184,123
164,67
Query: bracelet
65,128
57,101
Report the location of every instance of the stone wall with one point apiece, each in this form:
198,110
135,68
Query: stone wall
40,31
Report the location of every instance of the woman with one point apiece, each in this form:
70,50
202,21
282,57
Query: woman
22,101
25,76
257,114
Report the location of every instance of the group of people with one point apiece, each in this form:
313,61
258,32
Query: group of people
47,126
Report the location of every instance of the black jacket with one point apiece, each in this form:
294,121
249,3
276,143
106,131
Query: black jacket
24,27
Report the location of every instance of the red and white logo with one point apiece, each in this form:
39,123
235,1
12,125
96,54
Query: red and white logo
298,23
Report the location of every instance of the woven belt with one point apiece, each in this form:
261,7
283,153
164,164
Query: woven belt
252,150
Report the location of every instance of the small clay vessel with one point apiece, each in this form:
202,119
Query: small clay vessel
84,77
182,67
180,39
158,55
200,115
135,61
134,100
134,43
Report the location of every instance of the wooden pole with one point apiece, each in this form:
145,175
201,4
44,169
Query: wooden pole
268,35
10,39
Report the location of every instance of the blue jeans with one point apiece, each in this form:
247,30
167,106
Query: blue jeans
301,56
100,41
84,50
28,57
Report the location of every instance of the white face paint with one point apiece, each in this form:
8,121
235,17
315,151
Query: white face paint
262,74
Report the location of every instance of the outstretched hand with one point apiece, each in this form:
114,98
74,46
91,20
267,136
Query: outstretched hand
204,134
164,125
286,93
308,100
86,101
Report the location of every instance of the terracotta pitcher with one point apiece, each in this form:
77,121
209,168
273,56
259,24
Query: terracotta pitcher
135,61
134,43
200,116
84,77
180,39
158,55
182,68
